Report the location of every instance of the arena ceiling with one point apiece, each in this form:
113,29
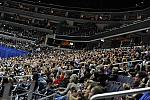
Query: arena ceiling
98,4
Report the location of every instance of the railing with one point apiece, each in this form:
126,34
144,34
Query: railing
25,26
45,16
125,62
14,38
136,27
58,18
50,97
79,9
8,93
24,76
68,9
119,93
27,94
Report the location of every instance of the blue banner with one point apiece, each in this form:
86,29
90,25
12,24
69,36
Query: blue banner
6,52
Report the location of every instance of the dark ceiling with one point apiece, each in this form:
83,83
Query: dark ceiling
98,4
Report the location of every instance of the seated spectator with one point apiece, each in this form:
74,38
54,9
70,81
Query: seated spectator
73,82
50,89
73,94
114,75
88,88
96,90
65,81
59,79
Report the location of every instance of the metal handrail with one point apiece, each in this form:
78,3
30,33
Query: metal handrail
127,62
119,93
44,98
17,76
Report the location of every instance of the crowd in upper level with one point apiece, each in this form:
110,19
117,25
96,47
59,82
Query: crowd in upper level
75,14
65,27
19,32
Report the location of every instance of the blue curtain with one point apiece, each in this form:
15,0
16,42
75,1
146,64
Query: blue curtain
6,52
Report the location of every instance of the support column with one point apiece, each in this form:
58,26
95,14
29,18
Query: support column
36,9
6,93
31,90
2,15
46,39
33,20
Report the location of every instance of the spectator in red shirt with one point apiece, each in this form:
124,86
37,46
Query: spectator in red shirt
59,79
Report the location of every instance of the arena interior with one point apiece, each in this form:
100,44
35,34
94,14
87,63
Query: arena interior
74,50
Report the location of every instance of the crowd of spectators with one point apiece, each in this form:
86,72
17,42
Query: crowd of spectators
78,75
73,75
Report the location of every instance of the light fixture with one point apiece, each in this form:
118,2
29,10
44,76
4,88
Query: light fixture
102,40
71,43
147,30
100,17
